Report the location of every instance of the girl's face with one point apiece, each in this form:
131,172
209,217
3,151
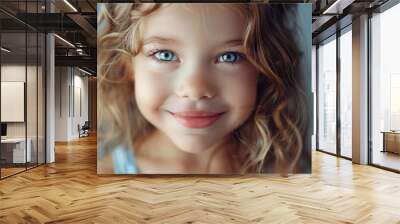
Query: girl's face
192,80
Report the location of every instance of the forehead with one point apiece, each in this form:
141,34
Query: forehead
198,21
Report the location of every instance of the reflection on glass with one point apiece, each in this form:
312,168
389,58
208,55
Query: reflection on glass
385,86
327,96
346,94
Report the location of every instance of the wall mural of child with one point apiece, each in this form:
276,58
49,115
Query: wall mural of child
201,89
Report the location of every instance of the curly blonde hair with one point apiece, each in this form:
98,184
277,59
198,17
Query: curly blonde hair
271,139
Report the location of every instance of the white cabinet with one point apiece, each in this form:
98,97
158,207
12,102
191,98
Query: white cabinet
18,149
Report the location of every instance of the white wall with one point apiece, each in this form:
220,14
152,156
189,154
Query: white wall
80,109
61,103
71,94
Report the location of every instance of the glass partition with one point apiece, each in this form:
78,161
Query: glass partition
31,100
327,96
314,93
22,89
41,85
13,105
346,93
385,89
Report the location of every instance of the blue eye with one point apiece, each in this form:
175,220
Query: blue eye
230,57
165,55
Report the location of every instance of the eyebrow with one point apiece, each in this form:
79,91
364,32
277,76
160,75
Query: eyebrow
233,42
158,39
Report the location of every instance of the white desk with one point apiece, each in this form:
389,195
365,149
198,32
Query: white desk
19,149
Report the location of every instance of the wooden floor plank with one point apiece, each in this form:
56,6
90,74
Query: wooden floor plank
70,191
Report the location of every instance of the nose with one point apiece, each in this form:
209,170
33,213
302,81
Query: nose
195,83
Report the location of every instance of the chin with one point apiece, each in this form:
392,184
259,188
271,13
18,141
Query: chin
193,146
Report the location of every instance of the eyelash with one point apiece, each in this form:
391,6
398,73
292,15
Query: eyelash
239,55
155,51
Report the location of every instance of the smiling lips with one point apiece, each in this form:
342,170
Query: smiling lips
196,119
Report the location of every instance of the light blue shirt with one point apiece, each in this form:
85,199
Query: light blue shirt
124,161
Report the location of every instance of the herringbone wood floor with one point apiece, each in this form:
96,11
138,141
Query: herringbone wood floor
69,191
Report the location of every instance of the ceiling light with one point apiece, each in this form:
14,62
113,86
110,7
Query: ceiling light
65,41
338,6
70,5
5,50
331,7
84,71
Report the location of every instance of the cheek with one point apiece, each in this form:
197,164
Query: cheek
151,88
241,88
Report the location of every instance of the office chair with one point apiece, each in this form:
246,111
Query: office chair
84,130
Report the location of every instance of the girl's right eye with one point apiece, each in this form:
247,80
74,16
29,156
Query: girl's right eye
164,56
